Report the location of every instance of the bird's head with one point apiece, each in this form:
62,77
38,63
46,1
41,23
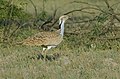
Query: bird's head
63,18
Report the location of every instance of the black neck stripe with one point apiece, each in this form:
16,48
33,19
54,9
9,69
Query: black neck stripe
60,26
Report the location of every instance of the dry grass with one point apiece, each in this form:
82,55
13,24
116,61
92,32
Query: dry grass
77,63
62,6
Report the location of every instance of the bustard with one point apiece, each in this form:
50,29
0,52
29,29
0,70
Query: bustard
48,40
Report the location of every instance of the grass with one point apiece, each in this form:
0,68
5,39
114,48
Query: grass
77,63
80,57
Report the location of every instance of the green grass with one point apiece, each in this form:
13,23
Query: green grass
77,63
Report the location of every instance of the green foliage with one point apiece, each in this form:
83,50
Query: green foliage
8,14
43,15
23,34
13,11
98,24
102,18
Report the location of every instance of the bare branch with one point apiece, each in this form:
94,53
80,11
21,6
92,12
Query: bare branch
85,8
34,7
106,1
112,11
52,20
85,3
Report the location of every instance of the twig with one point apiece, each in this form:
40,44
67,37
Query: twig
112,11
85,8
115,4
34,8
84,21
50,20
85,3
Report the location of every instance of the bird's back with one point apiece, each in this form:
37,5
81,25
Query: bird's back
44,38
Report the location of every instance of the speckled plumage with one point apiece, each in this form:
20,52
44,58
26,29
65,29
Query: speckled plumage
44,38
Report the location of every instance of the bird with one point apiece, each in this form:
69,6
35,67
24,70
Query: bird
48,39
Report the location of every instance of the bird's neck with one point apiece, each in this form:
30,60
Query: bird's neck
62,28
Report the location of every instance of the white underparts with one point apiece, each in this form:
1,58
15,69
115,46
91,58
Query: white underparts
44,49
48,47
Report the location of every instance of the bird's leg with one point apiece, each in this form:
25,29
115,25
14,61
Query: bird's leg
44,53
41,55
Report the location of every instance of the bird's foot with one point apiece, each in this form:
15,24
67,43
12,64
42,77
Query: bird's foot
40,56
52,57
48,57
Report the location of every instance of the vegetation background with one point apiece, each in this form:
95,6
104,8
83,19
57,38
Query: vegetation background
91,46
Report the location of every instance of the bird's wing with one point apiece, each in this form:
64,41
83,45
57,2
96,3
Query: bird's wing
42,38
